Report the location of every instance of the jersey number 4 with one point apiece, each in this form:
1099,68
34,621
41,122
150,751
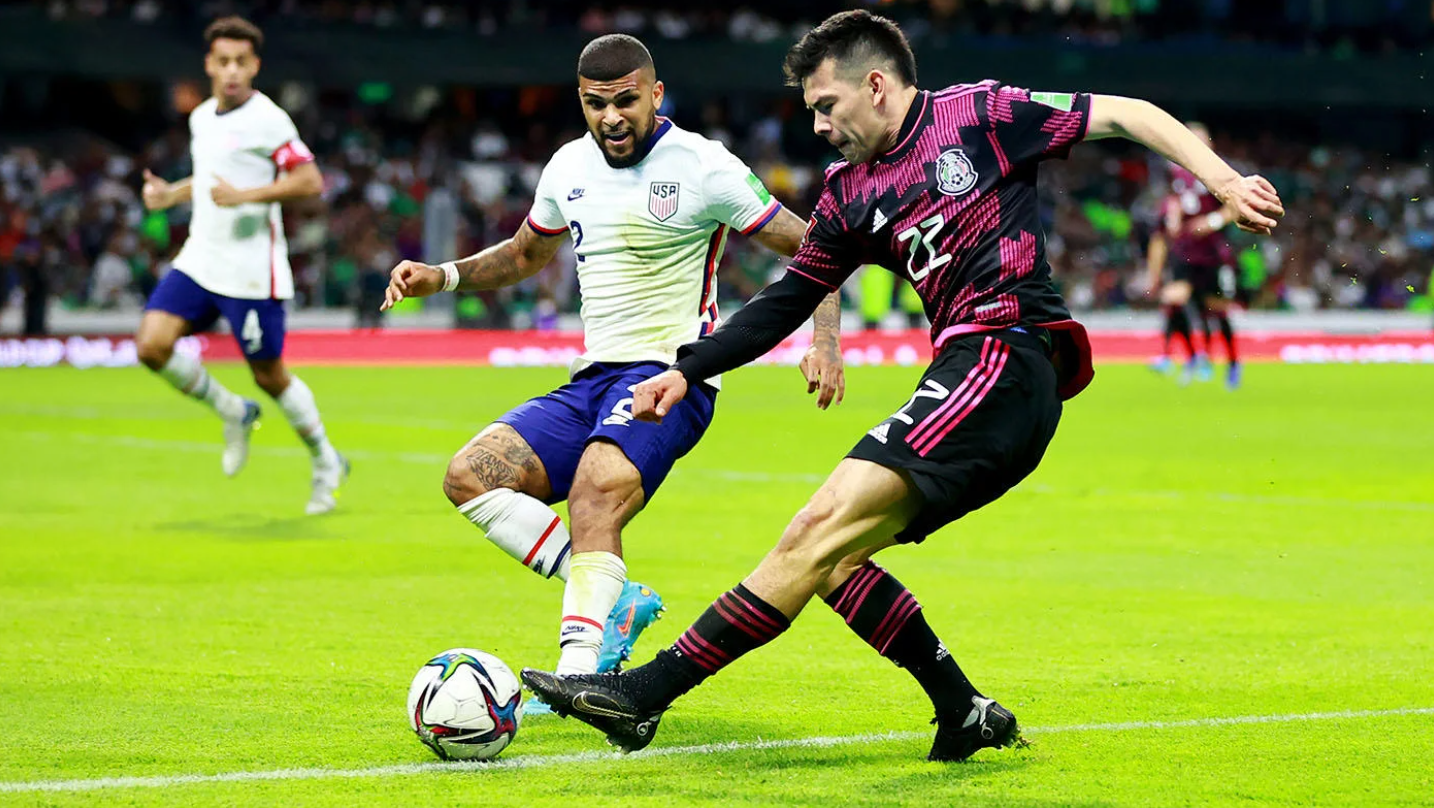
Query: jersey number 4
923,235
251,333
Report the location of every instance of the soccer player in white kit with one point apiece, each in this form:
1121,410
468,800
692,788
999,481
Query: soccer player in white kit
247,158
648,207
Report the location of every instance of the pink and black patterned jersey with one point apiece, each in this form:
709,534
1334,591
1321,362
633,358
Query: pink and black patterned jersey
953,208
1193,199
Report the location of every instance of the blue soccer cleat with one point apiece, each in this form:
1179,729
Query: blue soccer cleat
1232,376
1204,372
1162,365
636,609
535,707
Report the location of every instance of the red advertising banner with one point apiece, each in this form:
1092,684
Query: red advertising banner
549,348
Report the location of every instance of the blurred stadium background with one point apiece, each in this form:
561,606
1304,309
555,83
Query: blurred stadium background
431,121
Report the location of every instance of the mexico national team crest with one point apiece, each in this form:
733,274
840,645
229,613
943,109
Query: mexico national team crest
954,173
662,201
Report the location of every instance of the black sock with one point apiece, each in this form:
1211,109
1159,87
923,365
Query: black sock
735,623
885,614
1229,334
1177,323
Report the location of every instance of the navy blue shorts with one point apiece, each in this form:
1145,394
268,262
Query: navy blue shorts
258,325
597,405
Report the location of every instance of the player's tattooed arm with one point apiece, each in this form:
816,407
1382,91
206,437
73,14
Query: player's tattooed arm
1253,199
507,262
521,256
783,235
822,364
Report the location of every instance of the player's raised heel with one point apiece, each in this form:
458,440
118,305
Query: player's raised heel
987,726
236,438
600,700
637,608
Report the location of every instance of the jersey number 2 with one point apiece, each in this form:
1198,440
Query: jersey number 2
923,235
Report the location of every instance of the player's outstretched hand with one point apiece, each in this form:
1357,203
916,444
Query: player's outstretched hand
411,279
155,192
822,366
1255,202
657,396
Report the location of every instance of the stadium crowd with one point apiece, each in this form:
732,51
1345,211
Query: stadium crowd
1360,235
1342,24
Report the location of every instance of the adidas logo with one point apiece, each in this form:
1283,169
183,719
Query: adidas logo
878,221
879,431
941,652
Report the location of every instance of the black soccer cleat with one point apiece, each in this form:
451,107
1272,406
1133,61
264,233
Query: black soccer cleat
988,725
603,701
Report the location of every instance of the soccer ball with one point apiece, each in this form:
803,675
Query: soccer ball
465,705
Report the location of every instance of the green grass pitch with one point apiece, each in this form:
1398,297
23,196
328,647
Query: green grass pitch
1181,555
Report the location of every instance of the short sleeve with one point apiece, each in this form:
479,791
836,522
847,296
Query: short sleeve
736,197
1026,125
286,149
545,216
829,252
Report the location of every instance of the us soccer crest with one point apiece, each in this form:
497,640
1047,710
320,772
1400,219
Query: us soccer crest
954,173
662,200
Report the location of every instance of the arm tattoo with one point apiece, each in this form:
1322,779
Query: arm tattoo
492,268
510,261
827,320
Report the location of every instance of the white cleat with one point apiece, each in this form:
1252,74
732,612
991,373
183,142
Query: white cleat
236,438
327,479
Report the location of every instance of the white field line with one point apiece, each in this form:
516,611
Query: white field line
544,761
753,477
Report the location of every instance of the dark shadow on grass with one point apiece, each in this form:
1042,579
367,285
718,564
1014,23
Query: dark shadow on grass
254,527
877,773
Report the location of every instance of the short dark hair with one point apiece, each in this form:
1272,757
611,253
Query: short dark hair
234,28
851,36
613,56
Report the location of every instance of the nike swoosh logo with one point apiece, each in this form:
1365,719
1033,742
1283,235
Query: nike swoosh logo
626,626
582,702
575,195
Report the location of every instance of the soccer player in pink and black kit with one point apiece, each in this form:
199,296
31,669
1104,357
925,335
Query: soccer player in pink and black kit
1193,220
939,187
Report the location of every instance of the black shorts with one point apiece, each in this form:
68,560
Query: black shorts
979,422
1204,279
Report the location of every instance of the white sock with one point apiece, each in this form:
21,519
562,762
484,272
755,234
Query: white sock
524,528
190,378
594,586
297,402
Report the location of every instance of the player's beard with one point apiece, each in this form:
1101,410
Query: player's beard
639,146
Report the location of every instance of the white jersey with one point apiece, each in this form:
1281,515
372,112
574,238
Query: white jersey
648,238
240,251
